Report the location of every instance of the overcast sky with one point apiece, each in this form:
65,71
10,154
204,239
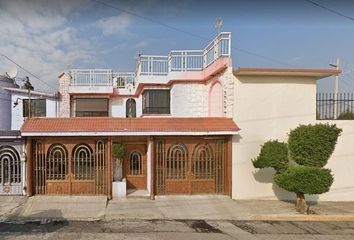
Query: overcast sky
48,37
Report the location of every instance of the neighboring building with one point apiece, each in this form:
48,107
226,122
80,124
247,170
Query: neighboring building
174,115
268,104
12,116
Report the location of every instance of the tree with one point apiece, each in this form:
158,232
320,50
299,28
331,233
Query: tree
301,170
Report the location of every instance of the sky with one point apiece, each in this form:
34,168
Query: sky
49,37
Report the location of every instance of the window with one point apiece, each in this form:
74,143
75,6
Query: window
156,102
130,108
91,107
38,108
135,166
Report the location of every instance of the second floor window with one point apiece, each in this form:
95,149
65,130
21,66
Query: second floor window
91,107
156,102
38,108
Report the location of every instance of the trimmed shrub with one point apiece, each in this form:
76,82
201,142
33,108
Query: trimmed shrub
273,154
303,179
312,145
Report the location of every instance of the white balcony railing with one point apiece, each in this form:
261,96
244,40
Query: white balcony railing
101,77
186,60
176,61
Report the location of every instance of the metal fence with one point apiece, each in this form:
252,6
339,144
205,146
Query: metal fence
331,106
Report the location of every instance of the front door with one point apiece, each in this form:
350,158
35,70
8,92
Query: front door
135,166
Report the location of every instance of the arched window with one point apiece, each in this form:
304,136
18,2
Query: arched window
131,108
10,165
203,162
177,159
135,163
57,162
83,162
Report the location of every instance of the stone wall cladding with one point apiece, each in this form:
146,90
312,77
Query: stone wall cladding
64,97
188,100
227,80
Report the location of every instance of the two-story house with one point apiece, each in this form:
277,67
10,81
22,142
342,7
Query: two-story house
14,110
173,115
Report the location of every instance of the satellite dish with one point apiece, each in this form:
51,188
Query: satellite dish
218,24
12,73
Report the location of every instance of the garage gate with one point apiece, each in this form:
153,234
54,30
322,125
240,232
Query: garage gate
69,168
190,166
10,171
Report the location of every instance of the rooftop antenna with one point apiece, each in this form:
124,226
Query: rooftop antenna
218,24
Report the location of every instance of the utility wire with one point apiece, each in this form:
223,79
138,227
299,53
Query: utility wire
329,9
24,69
185,32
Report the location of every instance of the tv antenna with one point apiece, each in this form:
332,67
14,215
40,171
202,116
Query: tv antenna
218,24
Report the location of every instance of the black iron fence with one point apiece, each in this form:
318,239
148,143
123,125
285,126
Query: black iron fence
331,106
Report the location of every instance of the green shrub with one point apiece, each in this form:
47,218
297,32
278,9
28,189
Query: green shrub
118,150
312,145
347,115
273,154
303,179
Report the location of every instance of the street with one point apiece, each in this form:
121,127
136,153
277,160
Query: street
177,229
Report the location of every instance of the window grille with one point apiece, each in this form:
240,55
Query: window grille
131,108
135,166
57,162
203,162
177,162
83,162
156,102
10,165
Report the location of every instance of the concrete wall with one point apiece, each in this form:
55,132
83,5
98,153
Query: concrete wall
5,102
266,108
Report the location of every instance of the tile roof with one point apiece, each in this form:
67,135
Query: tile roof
127,125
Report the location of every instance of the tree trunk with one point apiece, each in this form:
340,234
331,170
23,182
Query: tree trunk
301,205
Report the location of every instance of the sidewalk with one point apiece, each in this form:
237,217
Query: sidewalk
93,208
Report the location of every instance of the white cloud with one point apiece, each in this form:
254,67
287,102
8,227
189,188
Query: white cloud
38,35
115,25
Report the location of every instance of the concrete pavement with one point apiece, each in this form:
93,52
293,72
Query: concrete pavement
93,208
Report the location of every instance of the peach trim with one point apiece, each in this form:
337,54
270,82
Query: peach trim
209,97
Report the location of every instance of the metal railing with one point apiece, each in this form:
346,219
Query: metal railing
101,77
186,60
176,61
331,106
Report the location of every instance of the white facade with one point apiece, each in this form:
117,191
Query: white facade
268,107
17,111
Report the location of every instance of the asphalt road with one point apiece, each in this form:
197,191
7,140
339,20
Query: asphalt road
178,229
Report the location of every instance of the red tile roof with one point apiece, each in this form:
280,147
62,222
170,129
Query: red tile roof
127,125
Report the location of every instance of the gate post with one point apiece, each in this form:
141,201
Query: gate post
152,174
109,168
29,189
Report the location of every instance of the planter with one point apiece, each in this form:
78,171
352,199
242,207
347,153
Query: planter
119,189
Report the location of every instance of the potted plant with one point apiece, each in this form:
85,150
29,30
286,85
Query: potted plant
118,152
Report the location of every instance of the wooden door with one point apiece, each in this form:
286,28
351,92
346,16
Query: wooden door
135,166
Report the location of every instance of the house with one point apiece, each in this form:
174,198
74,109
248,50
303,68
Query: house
13,112
173,115
176,116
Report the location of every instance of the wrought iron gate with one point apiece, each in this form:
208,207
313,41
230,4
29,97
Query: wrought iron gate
81,171
191,166
10,171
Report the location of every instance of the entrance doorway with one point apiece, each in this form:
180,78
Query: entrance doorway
135,166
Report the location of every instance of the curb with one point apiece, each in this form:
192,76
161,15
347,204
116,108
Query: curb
305,218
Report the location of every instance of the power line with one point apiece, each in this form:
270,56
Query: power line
185,32
24,69
329,9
